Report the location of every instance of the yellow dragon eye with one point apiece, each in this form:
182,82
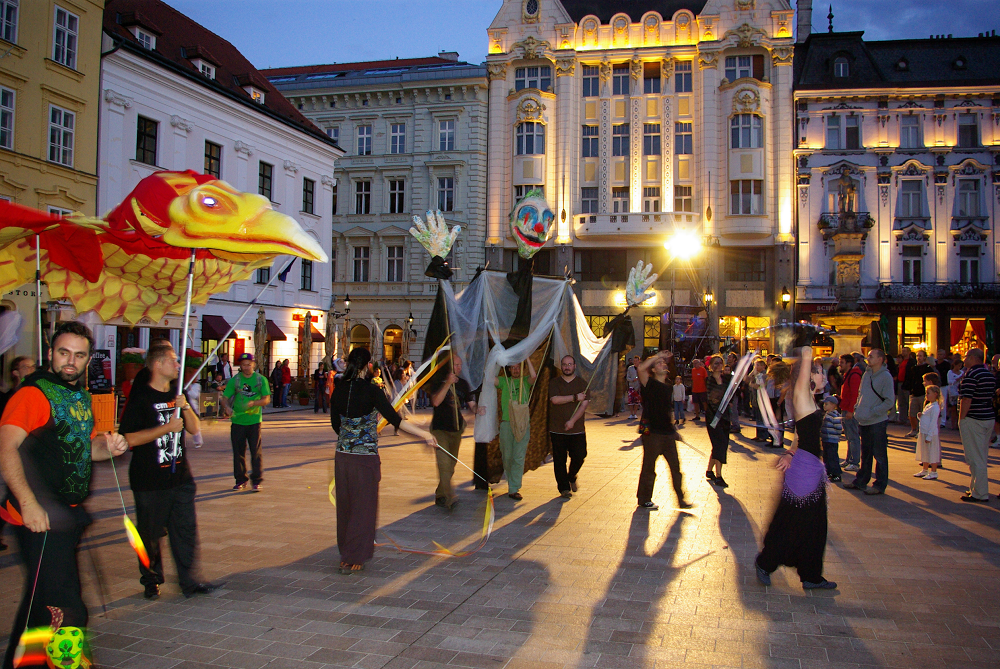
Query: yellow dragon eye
209,201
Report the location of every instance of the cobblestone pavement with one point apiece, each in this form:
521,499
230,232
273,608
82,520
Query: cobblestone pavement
587,582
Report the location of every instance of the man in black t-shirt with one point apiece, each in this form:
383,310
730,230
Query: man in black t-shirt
159,475
658,434
448,397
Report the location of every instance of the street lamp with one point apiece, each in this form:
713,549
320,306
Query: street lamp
709,297
683,244
786,297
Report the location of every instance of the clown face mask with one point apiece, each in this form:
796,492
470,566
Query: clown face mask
66,649
531,223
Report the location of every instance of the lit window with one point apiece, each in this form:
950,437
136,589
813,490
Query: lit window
651,78
364,140
7,118
66,34
746,197
530,139
539,78
446,135
746,131
213,159
62,124
397,138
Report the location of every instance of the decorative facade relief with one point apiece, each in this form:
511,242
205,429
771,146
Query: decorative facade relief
589,26
667,69
746,35
744,5
746,100
496,71
635,69
242,147
619,30
532,48
782,55
290,167
117,99
651,30
181,124
707,59
529,109
565,66
605,71
327,180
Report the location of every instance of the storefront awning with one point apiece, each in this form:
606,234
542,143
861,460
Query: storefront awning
274,333
317,337
214,327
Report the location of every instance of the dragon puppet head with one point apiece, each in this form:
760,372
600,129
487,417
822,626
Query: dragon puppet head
531,223
192,210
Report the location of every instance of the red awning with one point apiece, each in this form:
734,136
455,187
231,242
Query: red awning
214,327
317,337
274,333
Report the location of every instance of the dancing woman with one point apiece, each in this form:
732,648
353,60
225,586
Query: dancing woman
715,386
797,535
354,410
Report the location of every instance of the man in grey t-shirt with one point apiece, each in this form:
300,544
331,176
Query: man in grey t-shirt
875,400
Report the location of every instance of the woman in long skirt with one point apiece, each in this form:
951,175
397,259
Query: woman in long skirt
354,410
797,535
715,385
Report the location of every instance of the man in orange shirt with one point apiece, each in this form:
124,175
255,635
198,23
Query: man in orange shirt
699,392
47,444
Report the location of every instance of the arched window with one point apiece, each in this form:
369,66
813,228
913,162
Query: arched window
360,337
841,68
530,138
747,131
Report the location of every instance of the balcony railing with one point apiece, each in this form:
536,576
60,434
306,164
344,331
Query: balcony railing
632,223
888,292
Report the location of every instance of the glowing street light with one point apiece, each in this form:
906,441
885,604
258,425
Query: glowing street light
683,244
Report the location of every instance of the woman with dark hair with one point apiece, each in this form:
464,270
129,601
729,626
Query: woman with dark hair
354,410
797,535
715,388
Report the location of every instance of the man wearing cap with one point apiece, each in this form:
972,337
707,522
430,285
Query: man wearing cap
243,398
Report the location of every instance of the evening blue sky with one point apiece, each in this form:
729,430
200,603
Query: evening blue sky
281,33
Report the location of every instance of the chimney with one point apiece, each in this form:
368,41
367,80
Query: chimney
804,23
448,55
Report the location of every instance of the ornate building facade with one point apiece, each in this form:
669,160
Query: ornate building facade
898,171
639,124
415,135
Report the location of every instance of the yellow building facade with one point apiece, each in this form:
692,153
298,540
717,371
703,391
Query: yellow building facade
50,68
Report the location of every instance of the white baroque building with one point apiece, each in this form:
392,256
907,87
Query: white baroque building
415,135
175,96
909,130
638,123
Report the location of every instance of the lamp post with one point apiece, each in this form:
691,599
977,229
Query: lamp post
406,336
685,245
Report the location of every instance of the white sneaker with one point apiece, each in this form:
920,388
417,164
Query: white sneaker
851,468
930,476
921,474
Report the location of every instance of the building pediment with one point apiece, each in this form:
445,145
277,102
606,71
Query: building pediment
356,231
392,231
969,167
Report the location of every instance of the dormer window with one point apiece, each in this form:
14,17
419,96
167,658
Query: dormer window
146,40
841,68
204,67
255,94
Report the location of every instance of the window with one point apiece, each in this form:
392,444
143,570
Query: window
333,208
968,131
394,263
619,140
397,196
601,264
651,199
333,264
61,129
833,132
744,265
591,81
841,68
683,202
912,263
145,39
910,200
265,179
362,259
968,197
683,144
334,134
650,139
363,197
533,77
909,132
530,139
651,78
968,264
364,140
738,67
263,276
620,79
59,211
255,94
519,191
446,193
588,200
307,275
145,141
446,135
746,131
397,138
590,141
745,197
620,200
65,36
308,196
682,77
206,69
8,20
7,117
851,138
852,133
213,159
650,334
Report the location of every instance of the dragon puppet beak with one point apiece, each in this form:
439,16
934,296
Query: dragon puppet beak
216,216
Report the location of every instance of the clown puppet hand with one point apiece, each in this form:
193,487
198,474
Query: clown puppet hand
434,235
639,280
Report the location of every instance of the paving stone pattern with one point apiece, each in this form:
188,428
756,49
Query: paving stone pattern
588,582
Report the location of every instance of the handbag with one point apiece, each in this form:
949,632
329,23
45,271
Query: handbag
520,416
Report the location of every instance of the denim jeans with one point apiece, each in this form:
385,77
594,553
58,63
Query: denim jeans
853,434
678,410
874,445
831,458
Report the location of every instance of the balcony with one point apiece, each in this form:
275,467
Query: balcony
634,224
889,292
845,223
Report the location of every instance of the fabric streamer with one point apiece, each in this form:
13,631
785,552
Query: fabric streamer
742,367
421,376
134,540
767,414
10,330
31,637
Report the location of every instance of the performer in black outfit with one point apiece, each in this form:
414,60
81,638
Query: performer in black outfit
659,437
797,535
716,384
354,410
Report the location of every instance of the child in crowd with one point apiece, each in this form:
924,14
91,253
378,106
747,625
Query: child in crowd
928,449
832,428
680,394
